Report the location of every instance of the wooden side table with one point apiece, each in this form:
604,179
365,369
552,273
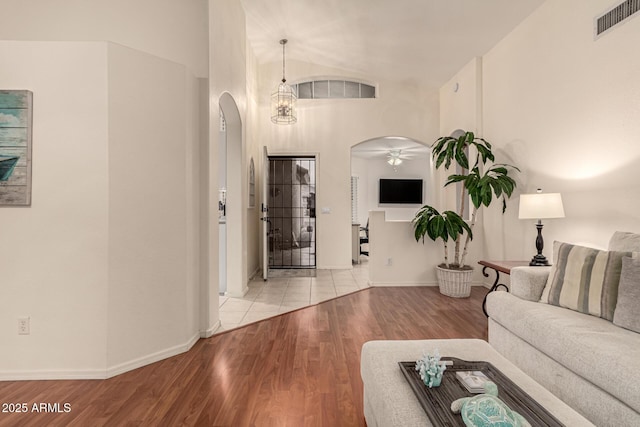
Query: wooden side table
499,267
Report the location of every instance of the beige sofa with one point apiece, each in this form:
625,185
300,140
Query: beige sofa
589,362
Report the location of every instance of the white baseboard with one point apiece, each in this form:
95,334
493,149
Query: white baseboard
80,374
212,330
257,271
152,358
237,295
399,284
335,267
100,374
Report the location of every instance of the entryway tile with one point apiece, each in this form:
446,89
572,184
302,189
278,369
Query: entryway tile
230,317
235,304
264,307
284,294
254,317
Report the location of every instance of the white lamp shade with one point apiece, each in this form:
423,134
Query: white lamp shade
541,206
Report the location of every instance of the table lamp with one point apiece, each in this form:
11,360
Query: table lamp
540,206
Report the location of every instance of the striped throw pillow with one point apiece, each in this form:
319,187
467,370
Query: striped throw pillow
584,279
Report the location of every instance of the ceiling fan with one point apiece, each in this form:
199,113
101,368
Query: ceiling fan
403,153
393,149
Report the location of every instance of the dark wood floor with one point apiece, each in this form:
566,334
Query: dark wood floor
298,369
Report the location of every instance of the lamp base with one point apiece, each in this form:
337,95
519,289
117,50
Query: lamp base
539,261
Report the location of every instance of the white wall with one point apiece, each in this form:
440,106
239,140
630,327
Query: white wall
254,149
152,281
171,29
329,128
461,109
232,74
370,171
461,100
104,261
566,108
177,31
396,259
54,253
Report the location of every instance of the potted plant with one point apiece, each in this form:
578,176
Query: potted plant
483,181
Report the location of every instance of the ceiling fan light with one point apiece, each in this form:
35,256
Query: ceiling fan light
394,157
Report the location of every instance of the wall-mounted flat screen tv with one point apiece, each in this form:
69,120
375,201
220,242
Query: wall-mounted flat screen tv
400,191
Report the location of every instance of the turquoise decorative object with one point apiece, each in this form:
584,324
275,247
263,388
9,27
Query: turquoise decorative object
431,369
486,410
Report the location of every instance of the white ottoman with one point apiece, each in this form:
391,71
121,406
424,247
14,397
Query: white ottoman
389,400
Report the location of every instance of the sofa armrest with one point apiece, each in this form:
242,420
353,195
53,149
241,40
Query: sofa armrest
528,282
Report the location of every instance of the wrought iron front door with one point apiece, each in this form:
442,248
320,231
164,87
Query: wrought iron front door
292,212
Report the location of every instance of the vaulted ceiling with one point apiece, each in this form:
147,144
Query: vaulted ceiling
418,41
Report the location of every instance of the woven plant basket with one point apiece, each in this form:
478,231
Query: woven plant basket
454,283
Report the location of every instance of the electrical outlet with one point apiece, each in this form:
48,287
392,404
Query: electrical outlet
23,326
389,261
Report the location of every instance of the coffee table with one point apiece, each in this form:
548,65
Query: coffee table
389,400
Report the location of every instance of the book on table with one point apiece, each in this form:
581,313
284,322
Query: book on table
473,381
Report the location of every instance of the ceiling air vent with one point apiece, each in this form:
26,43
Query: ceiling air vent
615,16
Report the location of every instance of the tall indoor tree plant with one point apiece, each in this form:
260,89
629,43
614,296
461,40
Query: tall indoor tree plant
483,181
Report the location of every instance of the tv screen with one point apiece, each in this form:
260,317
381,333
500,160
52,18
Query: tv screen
400,191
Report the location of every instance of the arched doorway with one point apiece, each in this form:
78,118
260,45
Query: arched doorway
235,207
388,157
383,159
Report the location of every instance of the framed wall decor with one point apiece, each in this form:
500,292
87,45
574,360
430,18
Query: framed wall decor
252,184
15,147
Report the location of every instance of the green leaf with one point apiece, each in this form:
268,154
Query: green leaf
508,184
470,137
452,230
437,147
420,231
490,156
450,154
441,158
500,170
486,195
428,222
497,187
475,198
471,183
455,178
461,156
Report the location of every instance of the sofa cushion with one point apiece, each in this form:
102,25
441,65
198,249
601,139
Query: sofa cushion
584,279
594,348
528,282
627,312
624,241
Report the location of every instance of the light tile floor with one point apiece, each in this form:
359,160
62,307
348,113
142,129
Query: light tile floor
282,294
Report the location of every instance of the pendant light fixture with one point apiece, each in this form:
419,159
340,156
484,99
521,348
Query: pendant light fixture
283,100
